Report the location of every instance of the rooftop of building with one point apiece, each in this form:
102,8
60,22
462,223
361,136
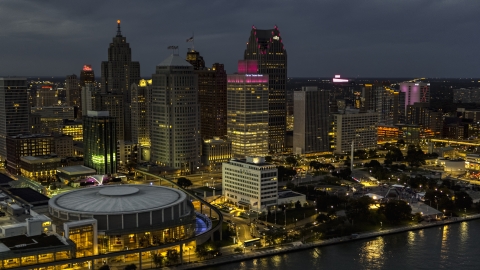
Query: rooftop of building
174,60
118,199
29,195
257,161
45,158
77,170
23,242
288,194
5,179
27,136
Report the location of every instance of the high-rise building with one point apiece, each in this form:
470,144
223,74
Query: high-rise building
72,88
141,118
250,182
99,142
212,95
247,111
14,110
119,73
267,48
420,114
311,120
52,117
115,106
88,97
46,95
87,87
351,126
415,92
175,132
466,95
27,145
87,75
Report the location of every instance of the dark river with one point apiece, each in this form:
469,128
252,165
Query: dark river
455,246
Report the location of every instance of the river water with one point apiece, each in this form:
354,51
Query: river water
454,246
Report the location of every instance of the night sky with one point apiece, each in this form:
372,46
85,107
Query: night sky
364,38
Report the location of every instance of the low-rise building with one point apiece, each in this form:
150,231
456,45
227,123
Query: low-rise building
40,168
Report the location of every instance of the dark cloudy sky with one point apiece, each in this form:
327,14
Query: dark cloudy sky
366,38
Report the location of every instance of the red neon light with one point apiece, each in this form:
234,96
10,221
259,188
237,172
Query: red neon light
87,68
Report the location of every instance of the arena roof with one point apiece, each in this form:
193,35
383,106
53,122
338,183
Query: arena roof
116,199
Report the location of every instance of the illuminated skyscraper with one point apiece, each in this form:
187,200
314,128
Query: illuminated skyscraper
14,110
175,129
119,73
141,118
247,111
212,95
415,92
87,75
267,48
99,142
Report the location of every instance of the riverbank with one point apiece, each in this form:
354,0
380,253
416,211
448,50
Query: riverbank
298,246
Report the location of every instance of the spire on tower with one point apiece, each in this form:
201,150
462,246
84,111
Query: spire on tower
119,32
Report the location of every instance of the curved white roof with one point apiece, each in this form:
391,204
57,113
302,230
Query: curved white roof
174,61
116,199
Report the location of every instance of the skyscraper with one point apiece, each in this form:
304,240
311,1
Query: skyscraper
212,95
141,118
86,75
119,73
351,126
14,110
72,88
415,92
311,120
99,142
87,88
267,48
175,112
247,111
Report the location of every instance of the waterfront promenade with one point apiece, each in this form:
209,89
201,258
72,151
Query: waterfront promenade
229,256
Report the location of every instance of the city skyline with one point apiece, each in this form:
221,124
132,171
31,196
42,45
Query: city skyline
402,39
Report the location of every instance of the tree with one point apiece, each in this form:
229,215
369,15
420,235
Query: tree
415,156
463,200
359,209
131,267
397,210
285,174
374,163
268,159
394,154
158,259
184,182
298,205
291,160
238,250
172,256
361,154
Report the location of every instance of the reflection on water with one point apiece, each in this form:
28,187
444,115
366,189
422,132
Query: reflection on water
450,246
372,253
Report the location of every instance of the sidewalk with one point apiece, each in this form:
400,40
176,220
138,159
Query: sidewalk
269,251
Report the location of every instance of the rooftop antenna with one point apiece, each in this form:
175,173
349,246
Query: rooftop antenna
119,33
